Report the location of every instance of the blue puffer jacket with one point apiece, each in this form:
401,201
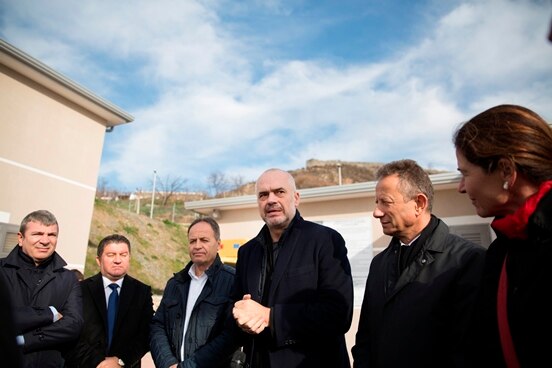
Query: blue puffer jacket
206,322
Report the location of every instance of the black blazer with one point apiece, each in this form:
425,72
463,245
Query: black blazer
131,334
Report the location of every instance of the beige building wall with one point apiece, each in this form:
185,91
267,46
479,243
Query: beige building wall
51,138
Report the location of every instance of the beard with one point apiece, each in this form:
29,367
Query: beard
280,222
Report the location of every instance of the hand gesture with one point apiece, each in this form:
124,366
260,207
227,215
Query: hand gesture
251,316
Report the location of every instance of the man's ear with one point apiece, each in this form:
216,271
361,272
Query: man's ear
296,198
421,203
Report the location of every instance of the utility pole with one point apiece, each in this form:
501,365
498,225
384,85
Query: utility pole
339,172
138,195
153,193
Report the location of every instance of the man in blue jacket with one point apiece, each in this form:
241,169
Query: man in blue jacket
46,297
186,328
294,282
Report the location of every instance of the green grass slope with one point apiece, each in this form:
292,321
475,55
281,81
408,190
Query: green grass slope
159,247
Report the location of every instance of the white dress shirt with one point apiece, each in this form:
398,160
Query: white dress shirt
196,286
107,289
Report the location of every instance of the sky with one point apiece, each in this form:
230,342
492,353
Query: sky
235,87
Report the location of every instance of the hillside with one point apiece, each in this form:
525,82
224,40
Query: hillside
159,247
318,173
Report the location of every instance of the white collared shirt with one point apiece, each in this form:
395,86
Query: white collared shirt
413,240
107,289
196,286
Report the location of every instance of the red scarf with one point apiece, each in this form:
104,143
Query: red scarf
514,226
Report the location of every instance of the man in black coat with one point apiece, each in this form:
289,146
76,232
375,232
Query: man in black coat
421,290
46,297
130,331
9,351
295,285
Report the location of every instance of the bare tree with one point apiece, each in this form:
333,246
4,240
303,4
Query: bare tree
237,183
101,189
169,186
217,182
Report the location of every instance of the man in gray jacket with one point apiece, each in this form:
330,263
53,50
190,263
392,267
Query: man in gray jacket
421,289
187,326
46,297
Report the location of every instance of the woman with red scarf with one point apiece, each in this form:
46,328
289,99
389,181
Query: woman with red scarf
505,157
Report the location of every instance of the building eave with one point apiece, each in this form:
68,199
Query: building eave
38,72
441,181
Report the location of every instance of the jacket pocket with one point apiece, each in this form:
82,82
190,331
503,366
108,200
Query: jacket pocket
211,311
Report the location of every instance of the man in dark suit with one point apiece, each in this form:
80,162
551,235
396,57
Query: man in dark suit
294,282
129,340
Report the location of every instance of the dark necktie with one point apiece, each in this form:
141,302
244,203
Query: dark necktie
112,304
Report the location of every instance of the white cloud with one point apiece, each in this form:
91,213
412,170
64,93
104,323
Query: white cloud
224,102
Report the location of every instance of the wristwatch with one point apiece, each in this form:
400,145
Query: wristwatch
121,363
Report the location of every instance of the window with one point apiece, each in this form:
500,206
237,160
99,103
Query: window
8,238
481,234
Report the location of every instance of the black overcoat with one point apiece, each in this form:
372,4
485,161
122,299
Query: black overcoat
422,320
311,295
45,340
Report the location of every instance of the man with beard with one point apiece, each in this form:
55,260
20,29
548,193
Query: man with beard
293,285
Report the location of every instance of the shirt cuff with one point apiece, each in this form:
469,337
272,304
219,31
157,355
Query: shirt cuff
55,312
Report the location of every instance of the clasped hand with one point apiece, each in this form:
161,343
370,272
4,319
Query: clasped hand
109,362
251,316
